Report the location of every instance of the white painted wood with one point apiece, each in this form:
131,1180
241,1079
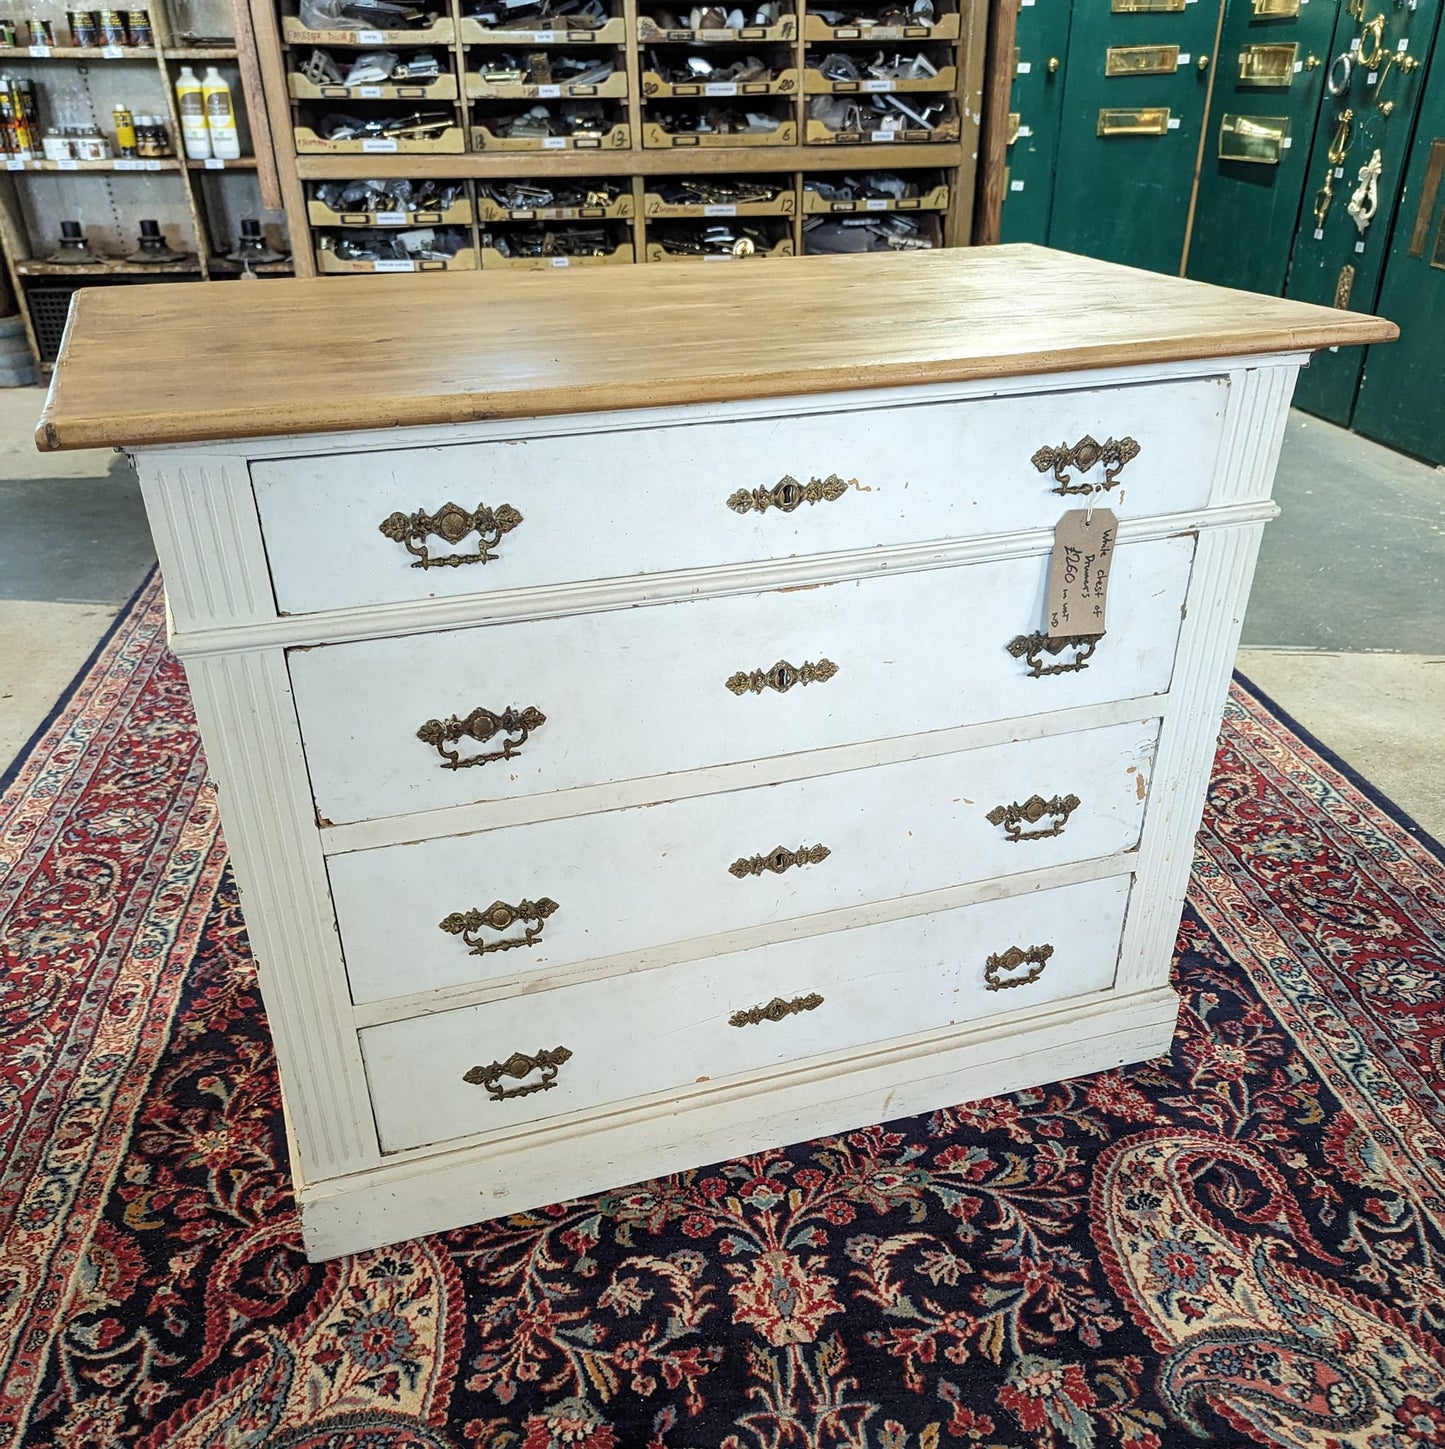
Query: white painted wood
644,693
671,1029
628,880
626,503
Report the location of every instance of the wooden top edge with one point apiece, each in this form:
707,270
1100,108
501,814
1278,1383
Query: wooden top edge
336,355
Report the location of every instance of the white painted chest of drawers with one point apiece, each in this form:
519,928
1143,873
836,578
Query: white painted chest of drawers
614,789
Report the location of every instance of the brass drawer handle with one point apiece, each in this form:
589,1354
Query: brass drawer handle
1032,647
782,677
481,725
499,916
453,523
779,859
1036,956
518,1065
788,494
1113,453
776,1010
1014,817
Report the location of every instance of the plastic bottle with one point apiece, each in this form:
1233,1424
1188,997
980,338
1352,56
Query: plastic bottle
220,116
191,103
124,131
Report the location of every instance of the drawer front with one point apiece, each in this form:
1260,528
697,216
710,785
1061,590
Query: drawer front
640,692
455,911
604,505
665,1030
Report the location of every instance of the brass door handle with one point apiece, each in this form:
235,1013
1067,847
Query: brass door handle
776,1010
499,916
1313,62
1014,817
481,725
517,1066
1053,66
788,494
778,859
782,677
1373,34
1032,647
1202,64
1036,957
1113,453
452,523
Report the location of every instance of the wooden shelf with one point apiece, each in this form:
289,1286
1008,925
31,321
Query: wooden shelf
111,267
199,52
77,52
168,163
240,163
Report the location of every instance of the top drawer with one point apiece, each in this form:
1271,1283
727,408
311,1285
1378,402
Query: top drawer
616,504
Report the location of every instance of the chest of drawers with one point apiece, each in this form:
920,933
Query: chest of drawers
637,738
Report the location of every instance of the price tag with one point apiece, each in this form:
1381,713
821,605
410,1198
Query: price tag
548,93
1403,46
376,144
1373,76
371,37
544,37
522,213
150,165
1286,143
113,52
875,86
881,136
67,165
728,210
1015,186
390,265
369,93
1174,123
12,164
1026,130
391,218
720,88
43,51
1319,233
1185,58
123,164
1025,67
1339,172
561,261
1079,571
214,164
719,257
554,143
1299,66
1359,246
876,203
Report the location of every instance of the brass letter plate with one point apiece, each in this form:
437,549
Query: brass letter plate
1253,138
1137,7
1150,121
1015,120
1267,65
1141,60
1276,9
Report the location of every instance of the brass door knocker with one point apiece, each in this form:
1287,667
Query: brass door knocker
1374,33
1339,149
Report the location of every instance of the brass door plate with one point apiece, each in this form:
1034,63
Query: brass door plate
1141,60
1267,65
1014,122
1276,9
1145,7
1258,139
1148,121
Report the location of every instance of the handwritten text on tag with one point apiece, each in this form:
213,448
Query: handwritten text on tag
1079,572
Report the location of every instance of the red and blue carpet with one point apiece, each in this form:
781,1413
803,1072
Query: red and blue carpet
1242,1244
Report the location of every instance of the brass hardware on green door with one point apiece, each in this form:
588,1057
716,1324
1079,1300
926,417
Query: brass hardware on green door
1313,62
1267,65
1344,285
1141,60
451,523
788,494
781,677
1142,121
1339,149
1014,817
499,916
517,1066
1113,453
1036,958
481,725
1053,66
1258,139
1146,7
1371,50
1014,122
1032,647
779,859
1202,64
1275,9
776,1010
1402,62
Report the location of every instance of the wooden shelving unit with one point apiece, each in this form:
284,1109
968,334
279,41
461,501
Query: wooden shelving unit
633,149
199,204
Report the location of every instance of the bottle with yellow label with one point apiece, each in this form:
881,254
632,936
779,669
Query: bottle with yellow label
220,116
125,144
191,103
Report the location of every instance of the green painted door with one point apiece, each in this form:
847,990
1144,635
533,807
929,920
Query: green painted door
1042,44
1335,262
1135,85
1267,86
1402,396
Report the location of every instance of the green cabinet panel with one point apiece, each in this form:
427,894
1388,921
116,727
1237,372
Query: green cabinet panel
1271,72
1323,249
1042,43
1128,140
1402,396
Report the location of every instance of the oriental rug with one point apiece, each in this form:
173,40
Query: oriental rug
1241,1244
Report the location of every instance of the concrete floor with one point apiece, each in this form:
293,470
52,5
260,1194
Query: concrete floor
1345,630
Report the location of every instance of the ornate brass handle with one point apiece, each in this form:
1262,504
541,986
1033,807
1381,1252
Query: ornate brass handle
499,916
788,494
782,677
1014,817
517,1066
481,725
1011,960
776,1010
1032,647
779,859
1372,35
452,523
1113,453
